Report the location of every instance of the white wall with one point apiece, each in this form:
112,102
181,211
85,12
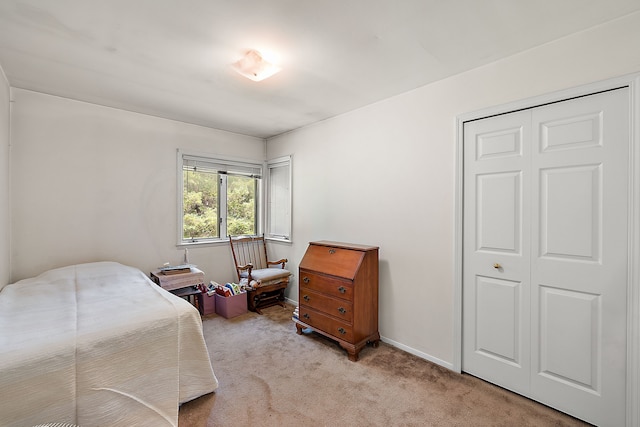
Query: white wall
385,175
5,230
93,183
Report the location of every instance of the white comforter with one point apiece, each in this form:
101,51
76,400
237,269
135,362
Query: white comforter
98,345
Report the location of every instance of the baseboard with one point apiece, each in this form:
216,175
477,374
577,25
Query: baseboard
402,347
290,301
417,353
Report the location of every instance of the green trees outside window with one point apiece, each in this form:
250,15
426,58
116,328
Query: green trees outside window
202,205
241,205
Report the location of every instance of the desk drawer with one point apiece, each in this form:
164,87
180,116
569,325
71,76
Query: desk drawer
333,286
335,327
340,308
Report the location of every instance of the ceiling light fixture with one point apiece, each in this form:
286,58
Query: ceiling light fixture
253,66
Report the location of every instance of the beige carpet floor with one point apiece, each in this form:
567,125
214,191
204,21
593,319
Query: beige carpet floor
270,376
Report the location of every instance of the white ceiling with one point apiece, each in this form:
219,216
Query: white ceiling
171,58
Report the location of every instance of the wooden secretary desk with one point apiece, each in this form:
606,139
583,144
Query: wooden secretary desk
338,294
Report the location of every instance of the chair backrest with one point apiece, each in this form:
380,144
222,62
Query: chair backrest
249,250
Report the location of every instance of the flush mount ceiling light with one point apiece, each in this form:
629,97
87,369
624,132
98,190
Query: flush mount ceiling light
253,66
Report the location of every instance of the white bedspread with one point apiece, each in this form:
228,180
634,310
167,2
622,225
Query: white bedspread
98,345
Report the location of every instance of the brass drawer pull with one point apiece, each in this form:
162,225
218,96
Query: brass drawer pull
305,280
306,298
342,331
342,310
342,289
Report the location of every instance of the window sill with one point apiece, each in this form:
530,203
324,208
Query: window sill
278,239
202,243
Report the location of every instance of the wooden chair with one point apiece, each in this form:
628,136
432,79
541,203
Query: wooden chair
266,280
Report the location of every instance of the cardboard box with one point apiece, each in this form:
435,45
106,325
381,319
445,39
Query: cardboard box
208,304
232,306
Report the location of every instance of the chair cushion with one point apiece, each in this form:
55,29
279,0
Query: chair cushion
264,274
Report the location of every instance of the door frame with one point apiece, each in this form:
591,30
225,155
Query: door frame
632,81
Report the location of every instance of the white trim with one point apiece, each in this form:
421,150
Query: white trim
282,159
557,96
633,307
633,285
9,164
179,195
418,353
457,248
211,155
290,301
278,161
403,347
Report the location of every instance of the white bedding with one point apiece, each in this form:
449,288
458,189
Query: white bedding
98,345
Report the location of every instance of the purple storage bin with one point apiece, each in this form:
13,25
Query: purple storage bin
208,304
232,306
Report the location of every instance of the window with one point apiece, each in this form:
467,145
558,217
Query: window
279,199
217,197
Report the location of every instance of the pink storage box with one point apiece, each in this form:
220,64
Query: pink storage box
208,304
232,306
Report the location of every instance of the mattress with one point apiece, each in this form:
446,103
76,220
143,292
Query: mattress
98,344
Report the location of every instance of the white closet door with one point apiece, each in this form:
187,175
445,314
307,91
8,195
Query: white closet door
497,231
579,266
545,200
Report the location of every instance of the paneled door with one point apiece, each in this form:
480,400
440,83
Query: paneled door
546,251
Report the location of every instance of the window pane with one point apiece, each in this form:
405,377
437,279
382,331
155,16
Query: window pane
217,197
241,206
200,205
278,221
279,201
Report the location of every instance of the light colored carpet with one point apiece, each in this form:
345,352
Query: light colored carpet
270,376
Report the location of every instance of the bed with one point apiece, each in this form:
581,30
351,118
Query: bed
98,344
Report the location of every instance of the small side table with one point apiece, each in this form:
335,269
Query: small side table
183,285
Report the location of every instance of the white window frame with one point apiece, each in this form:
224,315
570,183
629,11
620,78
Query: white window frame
233,163
278,203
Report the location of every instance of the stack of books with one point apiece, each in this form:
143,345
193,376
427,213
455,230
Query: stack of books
176,269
